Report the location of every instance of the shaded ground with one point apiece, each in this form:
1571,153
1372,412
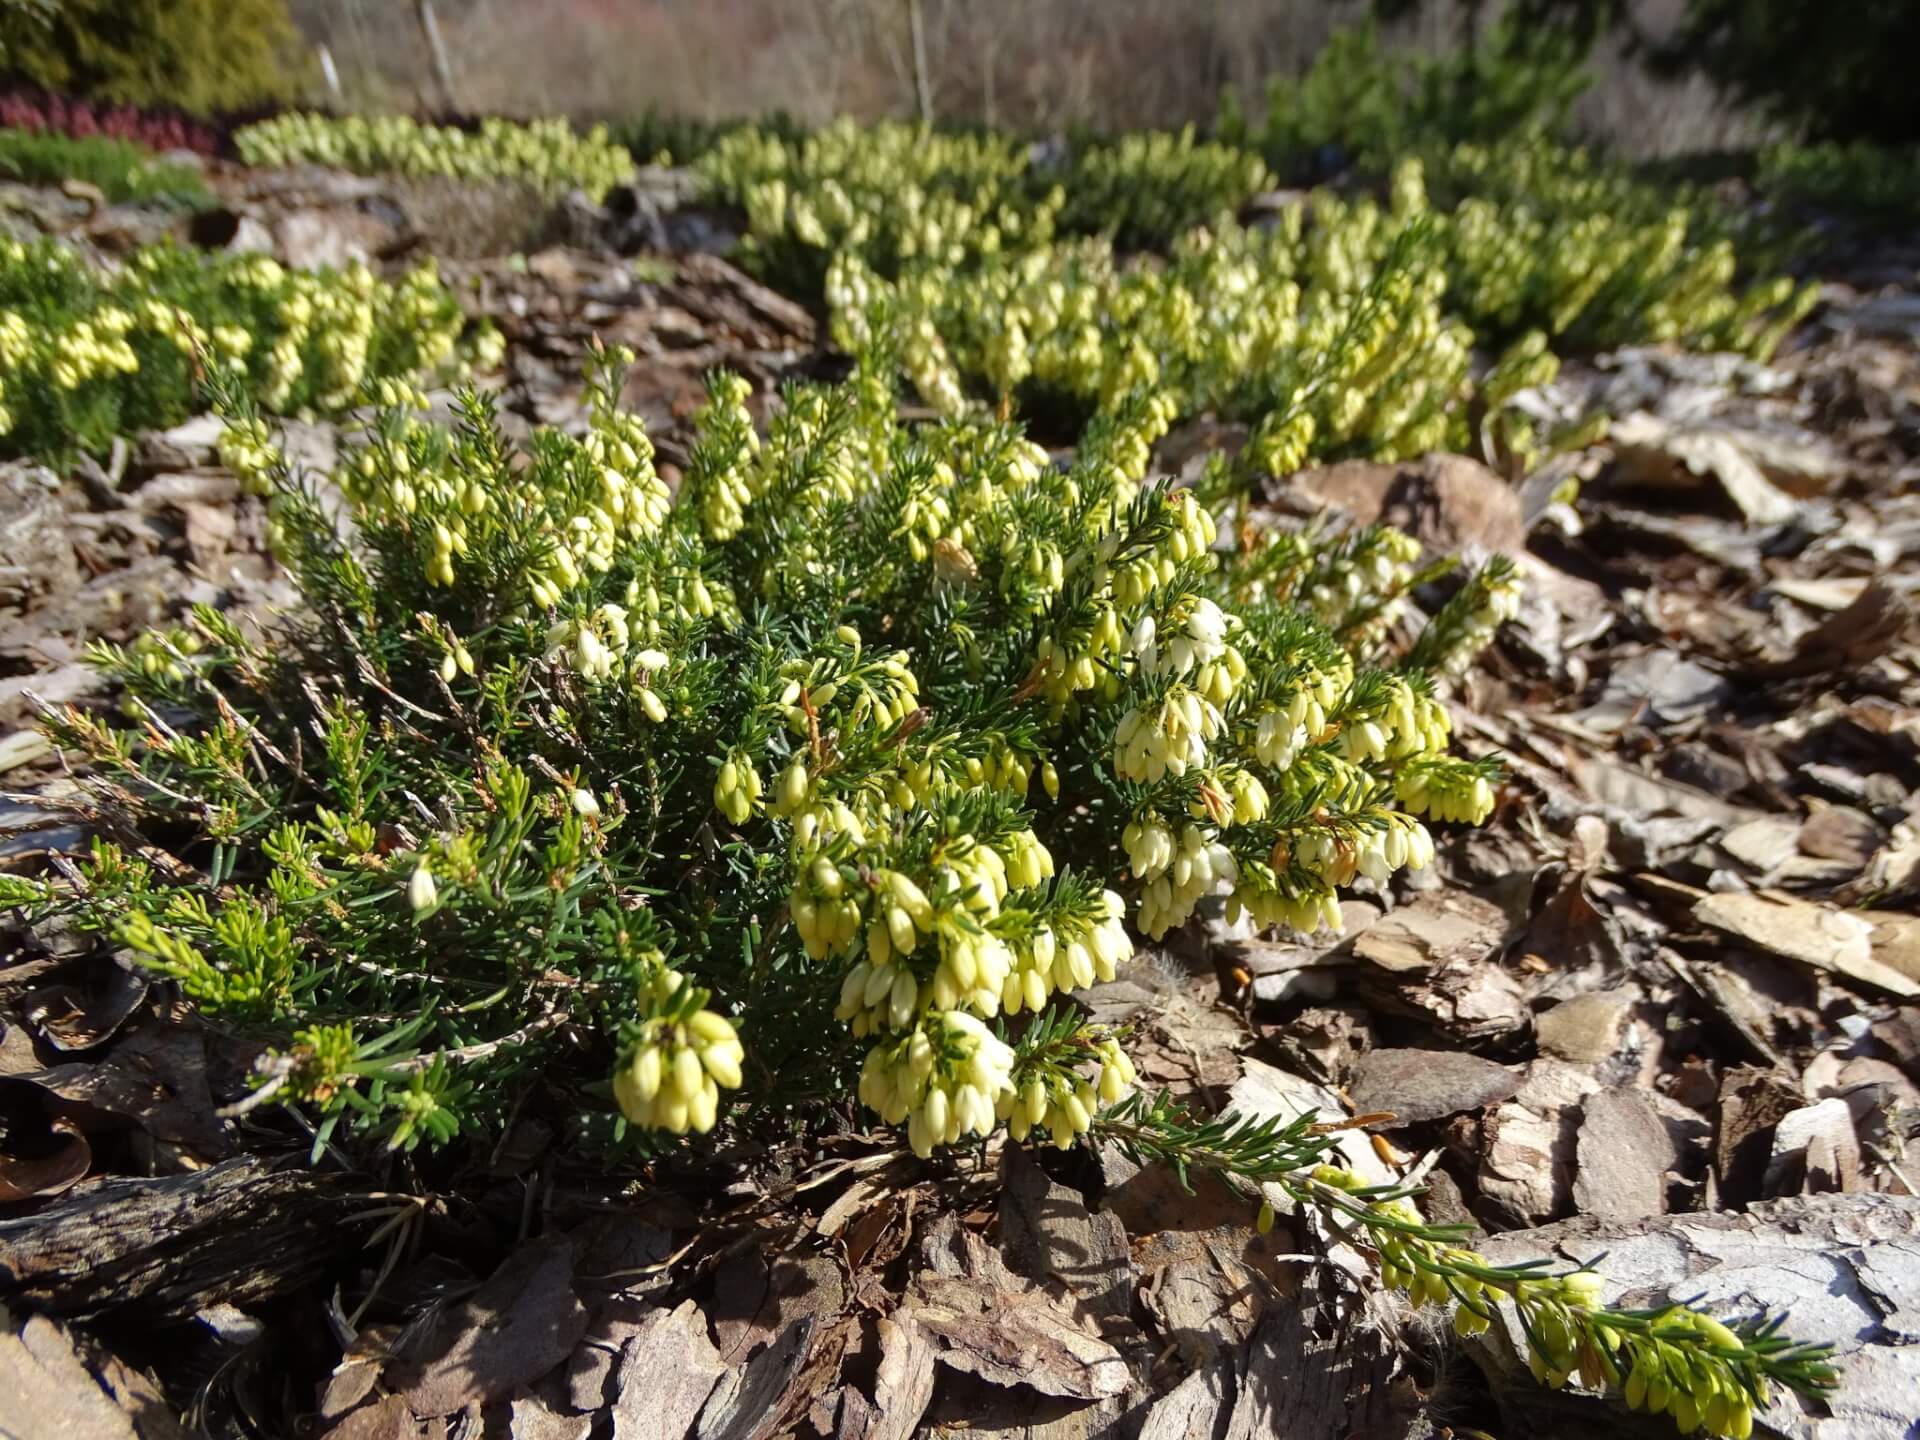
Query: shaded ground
1664,1005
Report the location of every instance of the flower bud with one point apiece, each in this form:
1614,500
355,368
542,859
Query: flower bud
421,891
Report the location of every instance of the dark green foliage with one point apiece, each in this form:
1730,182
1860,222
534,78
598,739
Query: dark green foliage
202,56
1834,72
1147,189
686,138
1837,72
1876,184
1361,104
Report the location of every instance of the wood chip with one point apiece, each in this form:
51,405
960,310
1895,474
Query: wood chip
902,1387
1047,1232
1527,1168
667,1370
987,1321
520,1324
1822,936
1625,1152
49,1390
1420,1085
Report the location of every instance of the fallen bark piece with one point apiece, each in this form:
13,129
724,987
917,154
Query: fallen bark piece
1194,1408
1588,1028
1656,452
388,1419
1818,935
1322,1369
902,1387
1896,941
1419,1085
756,1399
1435,932
667,1370
237,1232
1048,1232
1428,960
1203,1289
1842,1268
1528,1166
1815,1149
1447,502
531,1418
1847,641
1625,1151
987,1321
50,1390
521,1323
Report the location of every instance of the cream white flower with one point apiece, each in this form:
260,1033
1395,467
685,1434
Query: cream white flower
421,891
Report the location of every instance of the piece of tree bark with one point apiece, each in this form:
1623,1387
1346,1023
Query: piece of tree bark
239,1232
1315,1368
521,1323
902,1387
51,1388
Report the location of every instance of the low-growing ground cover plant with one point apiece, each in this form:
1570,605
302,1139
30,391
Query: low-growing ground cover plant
157,130
122,171
87,354
1343,326
892,193
546,154
828,777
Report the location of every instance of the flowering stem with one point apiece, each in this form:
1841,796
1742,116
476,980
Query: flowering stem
1674,1358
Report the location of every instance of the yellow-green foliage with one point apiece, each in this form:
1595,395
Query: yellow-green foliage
86,354
895,194
1144,190
1541,236
892,671
1346,327
1342,354
202,56
549,155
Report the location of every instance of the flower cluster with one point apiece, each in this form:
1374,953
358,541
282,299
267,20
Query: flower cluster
944,1079
673,1080
546,154
1539,236
895,193
524,808
89,354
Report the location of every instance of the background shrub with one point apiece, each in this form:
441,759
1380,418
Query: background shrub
204,56
1361,103
1835,73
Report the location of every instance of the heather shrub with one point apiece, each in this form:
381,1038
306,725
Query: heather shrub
44,113
830,779
89,354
